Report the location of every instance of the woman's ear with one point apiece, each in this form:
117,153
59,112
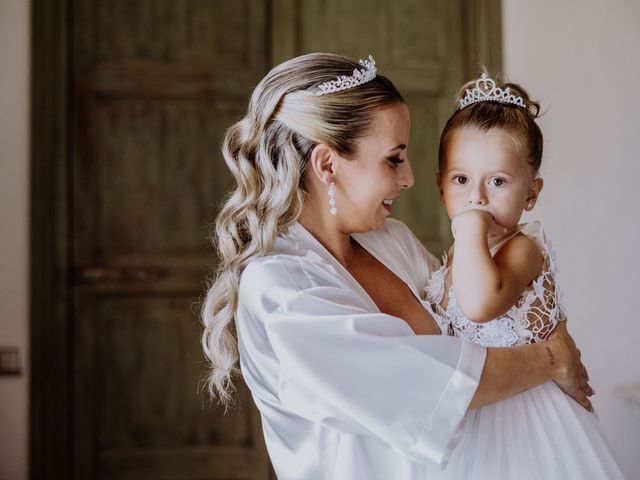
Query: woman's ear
532,195
322,163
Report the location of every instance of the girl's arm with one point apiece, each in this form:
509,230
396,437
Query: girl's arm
487,286
499,282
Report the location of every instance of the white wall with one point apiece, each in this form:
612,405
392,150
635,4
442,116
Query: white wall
14,237
580,58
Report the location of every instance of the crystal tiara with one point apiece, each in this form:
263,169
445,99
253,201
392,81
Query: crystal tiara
345,82
486,91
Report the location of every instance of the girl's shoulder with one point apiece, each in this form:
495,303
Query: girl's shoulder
528,236
526,245
535,233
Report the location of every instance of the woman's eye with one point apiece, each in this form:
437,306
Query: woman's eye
497,182
395,160
460,179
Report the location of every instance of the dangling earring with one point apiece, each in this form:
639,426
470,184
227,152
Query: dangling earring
332,200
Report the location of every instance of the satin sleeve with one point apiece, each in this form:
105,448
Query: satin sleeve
365,373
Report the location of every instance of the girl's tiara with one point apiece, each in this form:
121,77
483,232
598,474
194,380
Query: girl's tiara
486,91
345,82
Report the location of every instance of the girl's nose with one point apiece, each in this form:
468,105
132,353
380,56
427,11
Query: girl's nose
477,196
406,175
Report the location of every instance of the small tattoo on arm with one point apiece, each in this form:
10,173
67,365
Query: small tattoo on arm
552,359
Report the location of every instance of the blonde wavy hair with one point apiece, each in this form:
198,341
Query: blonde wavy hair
266,152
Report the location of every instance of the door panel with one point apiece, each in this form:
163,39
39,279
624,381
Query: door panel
161,165
155,86
228,34
143,342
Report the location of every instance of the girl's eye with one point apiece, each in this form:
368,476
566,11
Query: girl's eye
460,179
497,182
395,161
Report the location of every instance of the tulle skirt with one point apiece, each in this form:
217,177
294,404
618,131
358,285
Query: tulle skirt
539,434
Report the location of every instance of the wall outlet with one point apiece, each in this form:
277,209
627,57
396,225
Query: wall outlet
10,361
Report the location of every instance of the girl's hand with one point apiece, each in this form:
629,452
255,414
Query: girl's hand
476,222
571,376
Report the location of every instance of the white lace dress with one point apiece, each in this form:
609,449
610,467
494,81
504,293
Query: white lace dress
540,433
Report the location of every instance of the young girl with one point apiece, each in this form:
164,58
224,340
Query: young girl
497,288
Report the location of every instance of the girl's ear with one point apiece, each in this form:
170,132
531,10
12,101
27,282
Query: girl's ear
532,195
322,163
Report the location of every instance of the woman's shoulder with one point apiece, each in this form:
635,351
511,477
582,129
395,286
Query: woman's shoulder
278,270
298,258
294,264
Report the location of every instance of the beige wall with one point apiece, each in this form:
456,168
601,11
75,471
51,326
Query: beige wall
580,58
14,215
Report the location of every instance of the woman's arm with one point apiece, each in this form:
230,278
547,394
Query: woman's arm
485,286
509,371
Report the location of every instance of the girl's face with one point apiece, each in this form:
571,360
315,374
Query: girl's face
369,182
487,171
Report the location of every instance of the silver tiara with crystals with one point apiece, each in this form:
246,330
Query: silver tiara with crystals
486,91
345,82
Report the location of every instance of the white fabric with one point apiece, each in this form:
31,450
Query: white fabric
541,433
345,391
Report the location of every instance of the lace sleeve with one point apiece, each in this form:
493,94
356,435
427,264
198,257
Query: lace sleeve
539,311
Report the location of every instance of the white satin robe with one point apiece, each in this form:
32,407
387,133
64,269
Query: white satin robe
345,391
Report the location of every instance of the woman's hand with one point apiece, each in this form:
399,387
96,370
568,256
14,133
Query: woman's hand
571,376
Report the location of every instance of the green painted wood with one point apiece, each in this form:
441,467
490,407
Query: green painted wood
50,366
155,86
482,21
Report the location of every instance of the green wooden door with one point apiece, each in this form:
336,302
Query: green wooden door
155,86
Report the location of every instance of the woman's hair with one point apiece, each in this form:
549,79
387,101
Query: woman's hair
266,152
485,115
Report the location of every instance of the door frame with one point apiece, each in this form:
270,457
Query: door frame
51,278
51,367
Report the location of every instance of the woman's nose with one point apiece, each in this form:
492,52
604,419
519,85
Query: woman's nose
406,175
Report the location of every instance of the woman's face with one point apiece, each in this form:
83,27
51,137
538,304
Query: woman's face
369,182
